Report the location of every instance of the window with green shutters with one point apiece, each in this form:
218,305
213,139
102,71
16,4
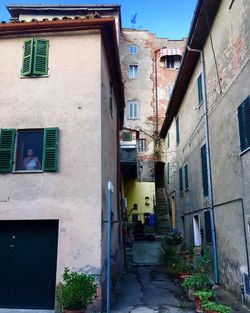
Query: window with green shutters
127,136
7,144
204,170
36,150
50,149
168,172
168,140
244,124
35,57
208,228
181,179
177,130
186,177
200,91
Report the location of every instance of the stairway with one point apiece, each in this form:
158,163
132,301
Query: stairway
128,257
149,230
161,212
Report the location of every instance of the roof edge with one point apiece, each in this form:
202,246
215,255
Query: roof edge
196,39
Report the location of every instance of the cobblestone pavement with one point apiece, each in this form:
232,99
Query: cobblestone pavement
149,290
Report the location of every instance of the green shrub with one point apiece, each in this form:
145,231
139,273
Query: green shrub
213,306
174,238
76,291
168,254
198,281
181,266
203,264
204,296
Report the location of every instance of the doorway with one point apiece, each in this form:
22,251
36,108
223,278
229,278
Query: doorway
28,257
197,233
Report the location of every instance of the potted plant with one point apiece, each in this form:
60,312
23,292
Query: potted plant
201,297
174,239
213,307
76,292
196,282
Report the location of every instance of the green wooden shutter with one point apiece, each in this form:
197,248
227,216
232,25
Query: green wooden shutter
208,228
244,124
27,57
168,172
177,130
50,149
181,179
200,92
186,177
168,140
204,170
7,144
127,136
41,52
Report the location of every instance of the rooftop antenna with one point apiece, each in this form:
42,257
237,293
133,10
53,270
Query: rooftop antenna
133,20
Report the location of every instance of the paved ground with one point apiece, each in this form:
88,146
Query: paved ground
149,290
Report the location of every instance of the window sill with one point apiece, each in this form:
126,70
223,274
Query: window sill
27,172
244,151
132,118
33,76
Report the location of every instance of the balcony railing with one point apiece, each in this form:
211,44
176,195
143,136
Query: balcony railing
128,156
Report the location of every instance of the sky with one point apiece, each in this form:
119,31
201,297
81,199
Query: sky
167,18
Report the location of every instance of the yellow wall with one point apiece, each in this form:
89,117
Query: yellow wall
135,192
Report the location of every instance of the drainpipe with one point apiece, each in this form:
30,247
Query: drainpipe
110,197
209,170
156,92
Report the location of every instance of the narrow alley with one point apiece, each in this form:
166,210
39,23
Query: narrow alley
149,290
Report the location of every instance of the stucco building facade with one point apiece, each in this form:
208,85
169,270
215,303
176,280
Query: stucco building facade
61,96
149,67
208,179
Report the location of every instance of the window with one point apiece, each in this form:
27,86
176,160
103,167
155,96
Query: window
133,71
186,177
168,173
35,150
173,61
204,170
168,140
29,150
127,136
35,57
142,145
133,109
197,232
111,98
177,130
133,49
208,229
200,91
181,179
169,91
244,123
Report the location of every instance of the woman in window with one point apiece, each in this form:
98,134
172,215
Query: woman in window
31,162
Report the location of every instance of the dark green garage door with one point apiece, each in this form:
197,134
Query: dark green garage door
28,254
